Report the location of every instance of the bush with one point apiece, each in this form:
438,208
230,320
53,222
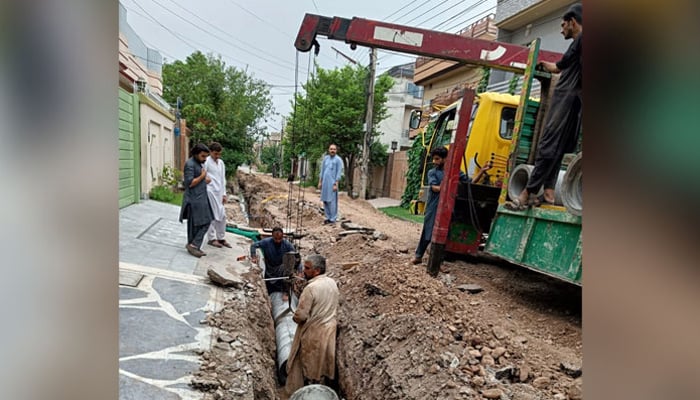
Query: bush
162,193
170,176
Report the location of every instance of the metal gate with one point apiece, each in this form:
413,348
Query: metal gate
129,154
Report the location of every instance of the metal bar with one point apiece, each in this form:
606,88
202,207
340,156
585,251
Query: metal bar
424,42
448,187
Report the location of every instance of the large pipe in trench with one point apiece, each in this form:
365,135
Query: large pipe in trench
282,313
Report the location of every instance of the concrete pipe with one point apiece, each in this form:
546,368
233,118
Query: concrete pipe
518,181
572,186
314,392
285,328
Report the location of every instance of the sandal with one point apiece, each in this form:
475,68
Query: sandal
194,251
225,244
541,201
515,205
214,243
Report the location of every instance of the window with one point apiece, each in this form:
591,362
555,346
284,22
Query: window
414,90
507,122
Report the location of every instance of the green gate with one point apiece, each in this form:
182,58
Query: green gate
129,154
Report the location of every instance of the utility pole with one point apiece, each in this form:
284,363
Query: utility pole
364,167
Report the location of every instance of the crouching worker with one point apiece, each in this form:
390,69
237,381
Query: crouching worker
312,358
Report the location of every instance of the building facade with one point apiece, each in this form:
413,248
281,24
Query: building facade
402,98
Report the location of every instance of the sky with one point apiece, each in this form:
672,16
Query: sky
258,35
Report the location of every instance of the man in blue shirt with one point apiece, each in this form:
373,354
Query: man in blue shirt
435,176
331,172
273,249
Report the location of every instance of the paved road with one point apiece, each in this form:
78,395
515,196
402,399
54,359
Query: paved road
164,296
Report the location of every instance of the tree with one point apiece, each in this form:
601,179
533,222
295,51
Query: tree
220,103
332,110
269,155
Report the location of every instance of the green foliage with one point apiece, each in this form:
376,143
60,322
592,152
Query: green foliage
483,83
513,85
416,158
332,110
402,213
165,194
220,103
378,154
269,156
170,176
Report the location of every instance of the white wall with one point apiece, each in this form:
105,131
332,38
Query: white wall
157,143
399,105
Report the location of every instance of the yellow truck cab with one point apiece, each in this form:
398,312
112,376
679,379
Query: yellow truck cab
489,136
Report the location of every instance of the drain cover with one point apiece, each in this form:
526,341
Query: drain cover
128,278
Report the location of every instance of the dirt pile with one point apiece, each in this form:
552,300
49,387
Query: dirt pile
240,364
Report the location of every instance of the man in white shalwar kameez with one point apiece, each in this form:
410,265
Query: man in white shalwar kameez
216,191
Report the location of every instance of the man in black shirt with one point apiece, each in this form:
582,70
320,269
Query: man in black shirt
563,122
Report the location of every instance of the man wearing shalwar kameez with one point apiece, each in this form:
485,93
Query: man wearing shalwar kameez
195,203
563,120
312,357
216,191
331,172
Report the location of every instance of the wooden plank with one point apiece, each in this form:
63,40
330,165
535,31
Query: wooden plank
126,145
126,127
126,96
126,173
126,154
125,135
126,116
126,164
126,192
126,105
126,182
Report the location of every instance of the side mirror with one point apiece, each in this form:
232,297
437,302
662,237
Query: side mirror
416,116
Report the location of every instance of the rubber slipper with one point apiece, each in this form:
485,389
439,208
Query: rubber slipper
515,205
225,243
214,243
540,201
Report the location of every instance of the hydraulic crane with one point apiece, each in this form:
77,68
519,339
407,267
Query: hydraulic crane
552,225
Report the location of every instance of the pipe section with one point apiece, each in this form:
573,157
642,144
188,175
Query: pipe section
282,312
517,182
285,328
314,392
572,186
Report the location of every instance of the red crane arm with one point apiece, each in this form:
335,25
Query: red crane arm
424,42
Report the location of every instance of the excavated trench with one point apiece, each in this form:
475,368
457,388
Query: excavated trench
402,335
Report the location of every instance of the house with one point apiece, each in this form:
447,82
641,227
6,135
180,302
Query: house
149,144
444,81
403,97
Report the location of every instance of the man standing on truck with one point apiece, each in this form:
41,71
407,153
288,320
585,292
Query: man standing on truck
435,176
563,123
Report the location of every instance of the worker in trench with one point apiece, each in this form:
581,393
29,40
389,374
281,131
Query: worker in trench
312,357
563,123
274,248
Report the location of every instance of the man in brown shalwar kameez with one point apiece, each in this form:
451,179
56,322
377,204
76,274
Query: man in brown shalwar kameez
312,358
